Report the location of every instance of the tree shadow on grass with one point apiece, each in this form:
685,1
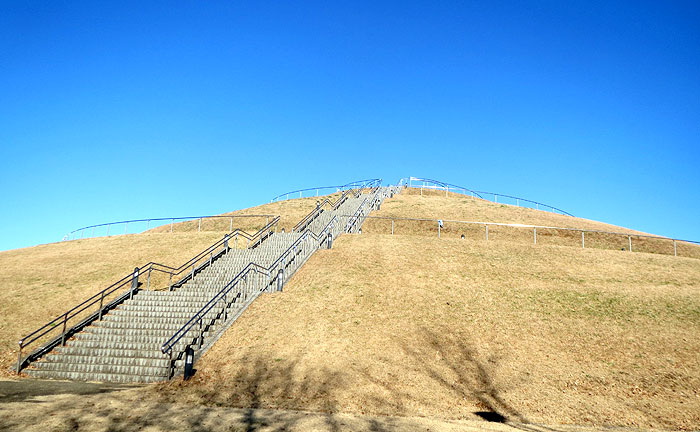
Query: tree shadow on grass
460,372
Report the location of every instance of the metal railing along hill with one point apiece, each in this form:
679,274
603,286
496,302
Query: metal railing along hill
78,317
299,193
439,226
89,231
114,228
430,184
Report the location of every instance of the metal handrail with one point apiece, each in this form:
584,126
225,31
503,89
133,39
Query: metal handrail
306,220
100,296
455,188
72,235
167,347
351,185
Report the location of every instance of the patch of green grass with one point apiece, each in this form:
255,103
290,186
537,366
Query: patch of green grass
599,304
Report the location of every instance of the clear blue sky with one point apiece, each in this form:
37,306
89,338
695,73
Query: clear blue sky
146,109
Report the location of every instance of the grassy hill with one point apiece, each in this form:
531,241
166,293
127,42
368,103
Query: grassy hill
405,325
414,325
41,282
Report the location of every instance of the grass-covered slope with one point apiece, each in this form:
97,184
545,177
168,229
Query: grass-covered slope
41,282
409,325
435,205
290,212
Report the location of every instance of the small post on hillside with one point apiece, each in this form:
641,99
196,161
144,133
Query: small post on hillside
280,279
630,242
63,336
134,282
583,239
487,232
674,248
534,231
102,298
439,226
392,228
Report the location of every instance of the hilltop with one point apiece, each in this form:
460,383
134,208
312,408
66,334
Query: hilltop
411,324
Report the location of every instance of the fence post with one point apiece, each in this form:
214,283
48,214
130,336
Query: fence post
583,239
534,230
392,228
63,336
134,282
19,356
495,198
102,297
630,239
487,232
674,248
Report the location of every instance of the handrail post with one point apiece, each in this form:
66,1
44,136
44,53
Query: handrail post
102,297
134,282
63,335
201,333
19,356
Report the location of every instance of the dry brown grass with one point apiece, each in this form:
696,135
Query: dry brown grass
41,282
290,212
406,325
435,205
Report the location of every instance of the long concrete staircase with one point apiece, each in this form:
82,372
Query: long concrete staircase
145,337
